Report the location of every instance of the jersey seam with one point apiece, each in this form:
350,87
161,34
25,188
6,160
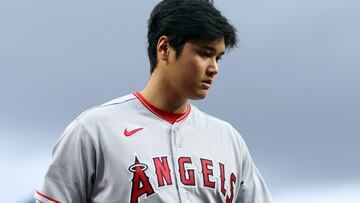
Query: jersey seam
102,105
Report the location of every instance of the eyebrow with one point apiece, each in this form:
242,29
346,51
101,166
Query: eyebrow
212,49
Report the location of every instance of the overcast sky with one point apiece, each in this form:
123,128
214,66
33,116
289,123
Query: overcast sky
291,88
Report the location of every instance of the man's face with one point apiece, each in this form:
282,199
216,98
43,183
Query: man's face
194,70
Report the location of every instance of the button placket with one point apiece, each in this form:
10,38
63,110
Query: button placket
176,137
187,195
176,145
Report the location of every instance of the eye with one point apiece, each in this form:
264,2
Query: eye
204,54
218,58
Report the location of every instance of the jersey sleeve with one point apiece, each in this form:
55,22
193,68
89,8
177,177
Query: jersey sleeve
252,187
71,173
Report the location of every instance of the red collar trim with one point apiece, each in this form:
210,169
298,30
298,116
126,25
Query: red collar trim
170,117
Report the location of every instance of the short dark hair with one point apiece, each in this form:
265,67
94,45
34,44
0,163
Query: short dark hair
185,20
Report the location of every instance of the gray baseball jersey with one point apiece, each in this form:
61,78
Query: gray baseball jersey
128,151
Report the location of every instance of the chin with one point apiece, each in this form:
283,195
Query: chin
199,95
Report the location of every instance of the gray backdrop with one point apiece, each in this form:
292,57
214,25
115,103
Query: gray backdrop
291,88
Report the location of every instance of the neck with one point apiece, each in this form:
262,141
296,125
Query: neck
160,94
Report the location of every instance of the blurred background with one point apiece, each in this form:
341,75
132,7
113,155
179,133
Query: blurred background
291,87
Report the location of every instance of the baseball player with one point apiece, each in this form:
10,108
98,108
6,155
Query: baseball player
153,146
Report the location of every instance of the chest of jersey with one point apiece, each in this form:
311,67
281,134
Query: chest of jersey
153,161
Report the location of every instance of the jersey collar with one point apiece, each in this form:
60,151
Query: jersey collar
170,117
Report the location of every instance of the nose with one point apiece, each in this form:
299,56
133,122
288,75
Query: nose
213,68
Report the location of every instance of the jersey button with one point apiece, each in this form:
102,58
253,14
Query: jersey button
180,145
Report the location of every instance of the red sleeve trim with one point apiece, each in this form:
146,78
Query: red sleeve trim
47,197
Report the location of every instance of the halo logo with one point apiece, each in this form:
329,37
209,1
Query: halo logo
140,182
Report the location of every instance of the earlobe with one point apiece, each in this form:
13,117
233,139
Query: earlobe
162,48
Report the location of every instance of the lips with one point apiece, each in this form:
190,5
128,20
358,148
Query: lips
206,83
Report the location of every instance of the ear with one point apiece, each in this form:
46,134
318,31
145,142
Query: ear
163,48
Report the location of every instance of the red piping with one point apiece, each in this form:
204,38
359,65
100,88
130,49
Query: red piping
170,117
47,197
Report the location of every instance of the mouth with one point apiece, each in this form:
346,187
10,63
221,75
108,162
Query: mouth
206,83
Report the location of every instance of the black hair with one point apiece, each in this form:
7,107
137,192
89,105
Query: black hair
185,20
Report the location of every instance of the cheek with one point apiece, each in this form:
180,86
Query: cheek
190,71
192,75
195,67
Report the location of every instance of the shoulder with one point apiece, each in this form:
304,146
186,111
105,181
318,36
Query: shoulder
201,116
91,119
114,109
216,125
